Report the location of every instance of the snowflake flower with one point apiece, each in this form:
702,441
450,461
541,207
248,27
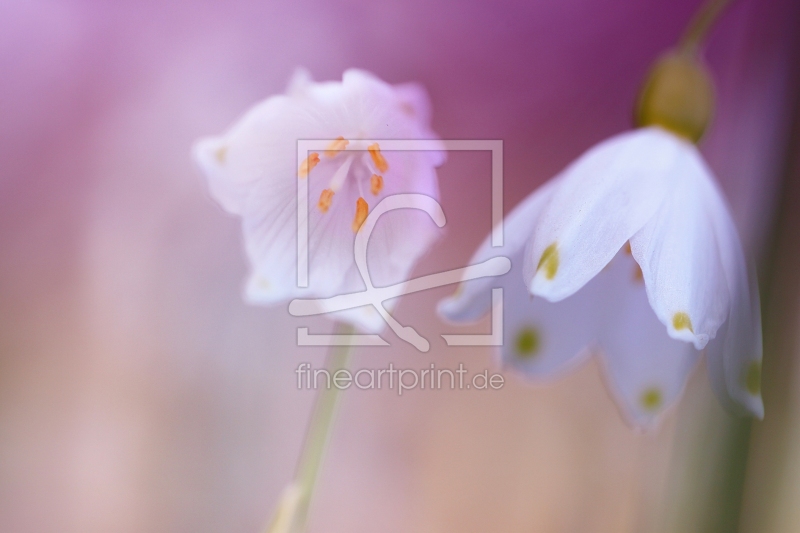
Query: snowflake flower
252,172
631,252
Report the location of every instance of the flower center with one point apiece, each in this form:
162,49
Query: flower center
372,164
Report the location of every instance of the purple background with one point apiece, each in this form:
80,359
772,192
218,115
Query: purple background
137,391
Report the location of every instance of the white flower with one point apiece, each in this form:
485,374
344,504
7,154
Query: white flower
636,220
252,172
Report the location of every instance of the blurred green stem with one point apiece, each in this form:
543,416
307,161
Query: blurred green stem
704,18
291,515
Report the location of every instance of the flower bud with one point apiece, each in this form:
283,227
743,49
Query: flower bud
678,96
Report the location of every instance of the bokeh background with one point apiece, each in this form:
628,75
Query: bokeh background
137,391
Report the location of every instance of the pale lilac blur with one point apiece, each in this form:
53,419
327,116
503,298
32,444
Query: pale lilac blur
138,392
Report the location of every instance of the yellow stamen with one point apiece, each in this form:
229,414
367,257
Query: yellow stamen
377,158
376,184
651,399
628,248
308,164
682,321
336,146
549,261
325,200
362,208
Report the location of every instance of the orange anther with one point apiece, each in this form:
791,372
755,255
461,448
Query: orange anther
362,208
325,200
376,184
336,146
308,164
377,157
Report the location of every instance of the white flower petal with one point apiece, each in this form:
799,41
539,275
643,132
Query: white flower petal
605,197
253,172
678,253
652,189
734,356
543,339
540,339
473,298
415,102
366,318
646,369
402,236
270,231
211,155
259,149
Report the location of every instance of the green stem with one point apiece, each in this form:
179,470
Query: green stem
698,28
293,509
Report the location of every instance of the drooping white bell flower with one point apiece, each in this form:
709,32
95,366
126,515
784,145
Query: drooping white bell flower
681,287
252,172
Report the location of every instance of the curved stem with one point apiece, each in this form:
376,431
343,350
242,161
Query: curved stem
700,24
292,512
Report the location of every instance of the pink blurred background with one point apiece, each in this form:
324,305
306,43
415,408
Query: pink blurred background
137,391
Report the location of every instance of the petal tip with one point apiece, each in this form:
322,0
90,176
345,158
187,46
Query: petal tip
447,308
459,308
209,153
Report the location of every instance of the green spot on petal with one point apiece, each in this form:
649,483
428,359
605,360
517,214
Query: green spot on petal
651,399
549,261
752,378
682,321
527,343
